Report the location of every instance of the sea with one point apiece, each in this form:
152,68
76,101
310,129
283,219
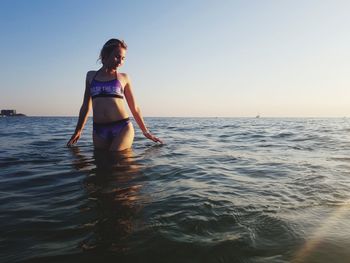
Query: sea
219,190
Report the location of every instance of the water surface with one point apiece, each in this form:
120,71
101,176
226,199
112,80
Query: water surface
220,190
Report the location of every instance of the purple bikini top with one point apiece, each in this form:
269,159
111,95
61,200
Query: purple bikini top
111,88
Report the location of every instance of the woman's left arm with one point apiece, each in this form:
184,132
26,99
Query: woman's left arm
135,110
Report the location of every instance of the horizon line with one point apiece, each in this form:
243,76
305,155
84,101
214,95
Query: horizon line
253,117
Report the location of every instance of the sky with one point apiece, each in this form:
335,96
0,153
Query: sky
186,58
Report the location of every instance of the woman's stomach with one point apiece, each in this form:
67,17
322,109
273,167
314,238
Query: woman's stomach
108,110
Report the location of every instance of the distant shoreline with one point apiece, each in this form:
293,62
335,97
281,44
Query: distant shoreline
14,115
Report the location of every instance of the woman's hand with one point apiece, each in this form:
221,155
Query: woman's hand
149,135
75,137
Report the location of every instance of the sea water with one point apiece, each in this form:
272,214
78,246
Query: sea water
219,190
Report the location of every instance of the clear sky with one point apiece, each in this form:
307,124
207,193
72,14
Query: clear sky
186,58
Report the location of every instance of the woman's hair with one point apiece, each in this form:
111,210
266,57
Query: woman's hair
109,46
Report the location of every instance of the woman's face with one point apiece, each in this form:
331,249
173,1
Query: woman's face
117,58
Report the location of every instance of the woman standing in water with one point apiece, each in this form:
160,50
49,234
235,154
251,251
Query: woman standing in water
104,92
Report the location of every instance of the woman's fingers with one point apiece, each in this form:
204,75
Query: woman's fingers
154,138
70,142
73,140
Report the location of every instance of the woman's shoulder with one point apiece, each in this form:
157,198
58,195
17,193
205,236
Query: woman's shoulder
124,76
90,74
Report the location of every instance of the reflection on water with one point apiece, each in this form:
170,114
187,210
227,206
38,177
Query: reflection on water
114,198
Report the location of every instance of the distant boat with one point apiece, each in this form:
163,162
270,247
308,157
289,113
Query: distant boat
257,116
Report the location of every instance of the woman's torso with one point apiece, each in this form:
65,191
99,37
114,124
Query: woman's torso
107,98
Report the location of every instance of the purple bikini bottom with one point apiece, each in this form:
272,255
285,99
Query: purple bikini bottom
110,130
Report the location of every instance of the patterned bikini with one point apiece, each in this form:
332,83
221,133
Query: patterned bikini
111,88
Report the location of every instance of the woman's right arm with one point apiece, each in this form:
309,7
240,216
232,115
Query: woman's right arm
84,112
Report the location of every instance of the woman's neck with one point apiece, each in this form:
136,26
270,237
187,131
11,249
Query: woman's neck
108,71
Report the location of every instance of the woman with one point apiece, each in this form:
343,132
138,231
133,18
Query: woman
104,92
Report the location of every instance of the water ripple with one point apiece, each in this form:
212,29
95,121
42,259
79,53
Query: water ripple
220,190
